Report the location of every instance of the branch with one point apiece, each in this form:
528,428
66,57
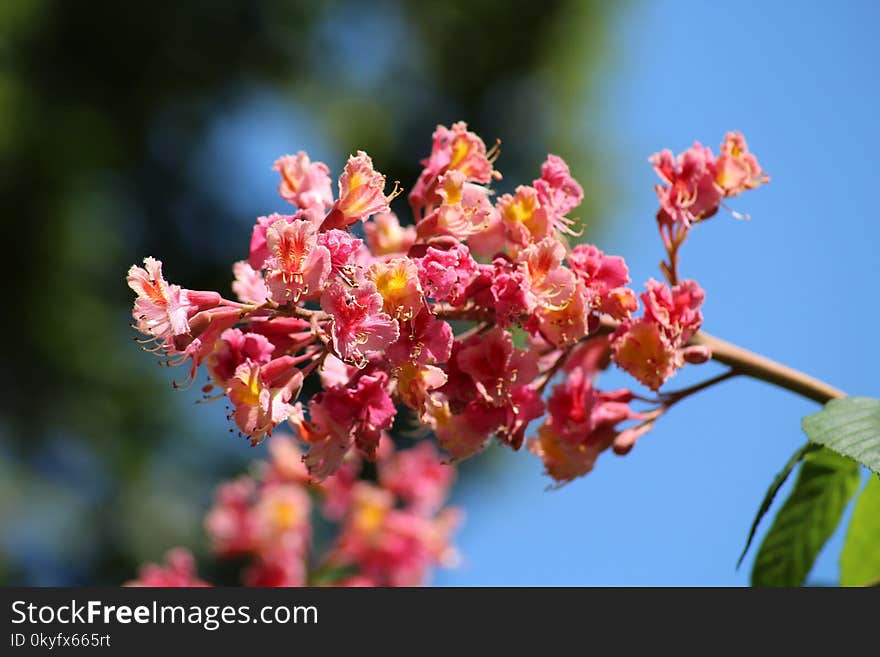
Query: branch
756,366
743,361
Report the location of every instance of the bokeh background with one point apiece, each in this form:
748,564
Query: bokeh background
129,129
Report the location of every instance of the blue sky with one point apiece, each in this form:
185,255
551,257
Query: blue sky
797,282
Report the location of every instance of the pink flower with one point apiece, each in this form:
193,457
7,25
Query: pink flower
234,348
465,209
160,309
558,193
445,273
510,291
358,325
285,333
334,372
524,218
373,410
563,460
641,348
261,395
259,249
204,330
690,192
566,322
328,440
249,285
415,382
418,477
281,518
653,347
605,278
423,339
385,236
229,522
179,571
285,462
592,356
280,568
391,547
494,365
361,193
298,266
581,424
676,311
579,412
455,149
397,281
304,183
343,248
737,169
358,412
337,489
550,284
465,433
525,405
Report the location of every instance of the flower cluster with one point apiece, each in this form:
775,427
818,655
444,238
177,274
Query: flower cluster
389,532
463,317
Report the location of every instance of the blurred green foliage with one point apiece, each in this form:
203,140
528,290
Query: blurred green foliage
109,120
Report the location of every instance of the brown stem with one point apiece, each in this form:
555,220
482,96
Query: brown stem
751,364
677,395
743,361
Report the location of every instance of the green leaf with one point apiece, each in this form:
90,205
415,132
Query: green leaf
850,426
809,516
775,485
860,559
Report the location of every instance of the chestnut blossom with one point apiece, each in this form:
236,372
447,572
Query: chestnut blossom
230,523
391,547
304,183
261,395
160,309
738,169
390,532
259,248
565,322
464,210
297,266
344,250
234,348
249,285
524,218
494,365
179,571
361,193
418,478
558,193
423,339
690,192
454,149
605,279
358,326
445,273
582,422
653,347
463,316
397,281
386,237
